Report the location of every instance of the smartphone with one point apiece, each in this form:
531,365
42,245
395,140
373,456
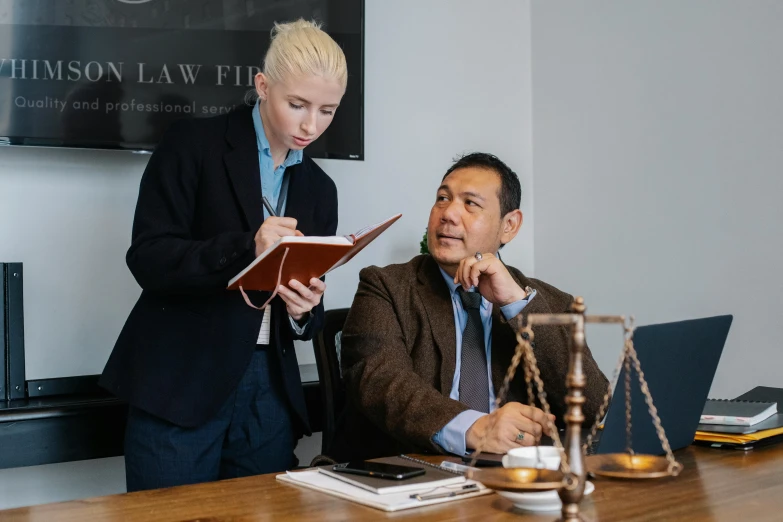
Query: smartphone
378,469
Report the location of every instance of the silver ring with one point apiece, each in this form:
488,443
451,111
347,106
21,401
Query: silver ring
478,256
521,436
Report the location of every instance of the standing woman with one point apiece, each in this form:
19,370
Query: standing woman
214,391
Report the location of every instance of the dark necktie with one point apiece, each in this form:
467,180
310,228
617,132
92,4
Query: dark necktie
473,380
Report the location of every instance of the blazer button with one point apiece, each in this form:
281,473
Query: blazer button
223,260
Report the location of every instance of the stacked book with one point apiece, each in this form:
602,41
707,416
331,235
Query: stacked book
435,485
749,421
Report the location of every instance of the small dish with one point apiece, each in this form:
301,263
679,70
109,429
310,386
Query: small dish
539,501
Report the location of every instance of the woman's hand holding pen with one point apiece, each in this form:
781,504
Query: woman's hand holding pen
273,229
299,299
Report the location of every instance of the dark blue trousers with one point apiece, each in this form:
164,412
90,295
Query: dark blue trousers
251,434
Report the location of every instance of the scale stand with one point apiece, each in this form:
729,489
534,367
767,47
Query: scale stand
570,479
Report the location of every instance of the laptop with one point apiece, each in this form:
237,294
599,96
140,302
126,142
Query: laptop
679,361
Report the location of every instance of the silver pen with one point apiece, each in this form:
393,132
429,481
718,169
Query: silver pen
464,491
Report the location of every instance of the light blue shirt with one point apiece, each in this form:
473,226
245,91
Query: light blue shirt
452,436
272,179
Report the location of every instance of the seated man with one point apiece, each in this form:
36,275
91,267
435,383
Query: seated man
427,343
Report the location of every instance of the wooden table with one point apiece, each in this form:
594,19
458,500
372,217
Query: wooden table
715,485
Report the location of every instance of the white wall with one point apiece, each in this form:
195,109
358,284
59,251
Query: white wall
61,482
442,77
658,154
66,215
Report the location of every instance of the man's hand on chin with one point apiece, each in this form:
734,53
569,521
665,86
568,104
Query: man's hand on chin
510,426
490,277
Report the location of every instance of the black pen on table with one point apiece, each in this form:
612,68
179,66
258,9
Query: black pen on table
268,207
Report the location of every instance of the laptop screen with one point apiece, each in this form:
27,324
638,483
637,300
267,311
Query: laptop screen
679,361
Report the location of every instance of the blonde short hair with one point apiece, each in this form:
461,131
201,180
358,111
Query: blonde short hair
302,48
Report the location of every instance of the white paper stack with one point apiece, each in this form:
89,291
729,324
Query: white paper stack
313,479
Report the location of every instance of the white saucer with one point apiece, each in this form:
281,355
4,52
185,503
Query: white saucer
539,501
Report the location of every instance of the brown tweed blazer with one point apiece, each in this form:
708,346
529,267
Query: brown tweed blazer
399,357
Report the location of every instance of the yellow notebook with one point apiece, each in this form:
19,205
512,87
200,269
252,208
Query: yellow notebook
734,438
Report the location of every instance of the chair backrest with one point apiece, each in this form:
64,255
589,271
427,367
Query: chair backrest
327,359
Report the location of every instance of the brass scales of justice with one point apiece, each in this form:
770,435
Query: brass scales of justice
570,479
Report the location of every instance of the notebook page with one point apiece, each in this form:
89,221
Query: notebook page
365,230
316,240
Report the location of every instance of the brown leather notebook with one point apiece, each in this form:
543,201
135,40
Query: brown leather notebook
305,258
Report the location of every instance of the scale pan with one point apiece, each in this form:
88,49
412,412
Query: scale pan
518,479
625,466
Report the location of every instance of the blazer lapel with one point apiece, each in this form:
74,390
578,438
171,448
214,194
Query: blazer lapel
299,203
437,303
242,166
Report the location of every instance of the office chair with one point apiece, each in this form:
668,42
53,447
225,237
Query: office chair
330,383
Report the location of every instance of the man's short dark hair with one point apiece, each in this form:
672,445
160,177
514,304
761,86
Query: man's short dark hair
510,194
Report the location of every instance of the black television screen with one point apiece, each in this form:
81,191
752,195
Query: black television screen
116,73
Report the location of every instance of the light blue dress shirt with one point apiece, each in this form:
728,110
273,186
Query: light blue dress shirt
272,178
452,436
